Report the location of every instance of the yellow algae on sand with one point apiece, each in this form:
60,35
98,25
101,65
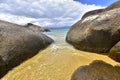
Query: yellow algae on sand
57,64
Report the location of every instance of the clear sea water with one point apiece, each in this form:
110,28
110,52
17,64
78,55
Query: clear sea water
59,36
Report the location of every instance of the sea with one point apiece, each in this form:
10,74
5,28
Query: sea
57,62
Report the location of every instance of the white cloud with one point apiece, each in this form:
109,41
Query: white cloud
47,13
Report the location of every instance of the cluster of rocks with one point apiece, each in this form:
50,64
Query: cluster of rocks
19,43
98,31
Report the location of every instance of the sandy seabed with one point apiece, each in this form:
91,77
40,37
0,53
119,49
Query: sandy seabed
54,63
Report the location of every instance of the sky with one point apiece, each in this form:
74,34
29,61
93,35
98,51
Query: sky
48,13
97,2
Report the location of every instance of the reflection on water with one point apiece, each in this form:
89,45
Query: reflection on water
57,62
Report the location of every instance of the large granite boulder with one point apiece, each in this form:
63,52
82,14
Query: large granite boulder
97,32
18,43
97,70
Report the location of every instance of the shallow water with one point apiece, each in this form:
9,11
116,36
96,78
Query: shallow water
57,62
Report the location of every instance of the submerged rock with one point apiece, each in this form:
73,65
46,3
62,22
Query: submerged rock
18,43
98,31
97,70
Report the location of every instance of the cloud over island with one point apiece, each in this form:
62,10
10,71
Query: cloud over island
47,13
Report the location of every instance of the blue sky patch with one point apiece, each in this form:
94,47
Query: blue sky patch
97,2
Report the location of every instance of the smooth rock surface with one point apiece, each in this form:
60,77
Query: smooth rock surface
18,44
96,33
97,70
